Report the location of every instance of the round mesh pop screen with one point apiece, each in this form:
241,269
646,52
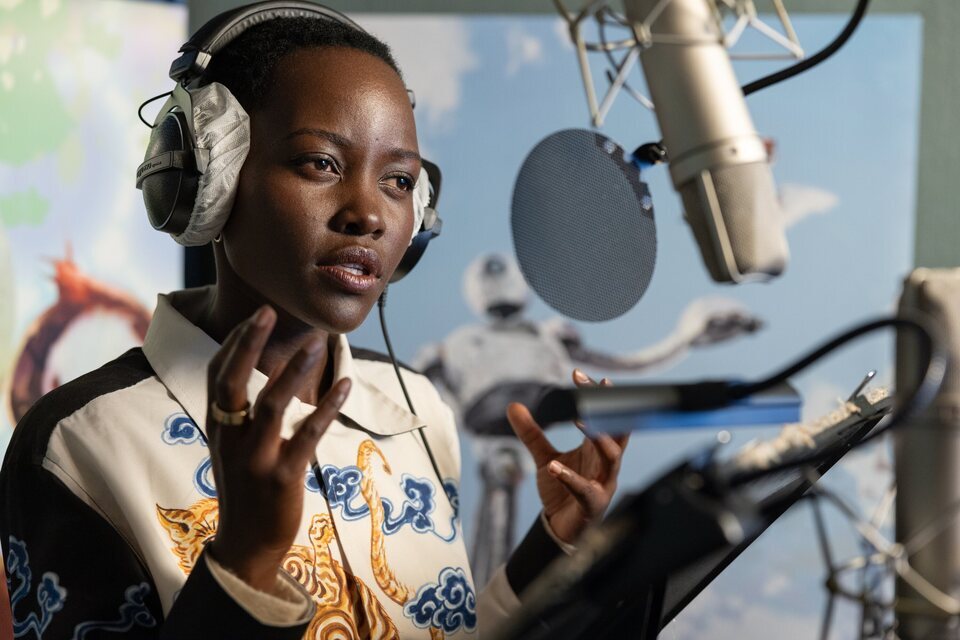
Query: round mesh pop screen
583,226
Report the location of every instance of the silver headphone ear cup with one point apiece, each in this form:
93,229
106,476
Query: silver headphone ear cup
169,195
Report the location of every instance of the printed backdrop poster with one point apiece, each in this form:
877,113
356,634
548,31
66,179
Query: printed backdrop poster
79,264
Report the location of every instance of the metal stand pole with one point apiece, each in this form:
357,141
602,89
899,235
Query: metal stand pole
927,469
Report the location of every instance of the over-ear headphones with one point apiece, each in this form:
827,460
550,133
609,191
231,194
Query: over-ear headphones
174,163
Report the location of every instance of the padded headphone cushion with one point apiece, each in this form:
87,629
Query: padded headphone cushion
169,195
223,132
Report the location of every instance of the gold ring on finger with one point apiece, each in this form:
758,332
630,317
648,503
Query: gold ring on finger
231,418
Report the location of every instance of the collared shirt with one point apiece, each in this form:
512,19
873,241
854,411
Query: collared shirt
109,501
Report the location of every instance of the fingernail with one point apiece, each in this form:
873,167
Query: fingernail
580,376
555,468
343,391
260,317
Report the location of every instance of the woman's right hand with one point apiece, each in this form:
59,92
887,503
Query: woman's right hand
260,475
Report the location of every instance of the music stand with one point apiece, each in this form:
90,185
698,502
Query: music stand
660,547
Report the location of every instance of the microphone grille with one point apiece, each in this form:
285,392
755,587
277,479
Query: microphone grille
583,226
749,240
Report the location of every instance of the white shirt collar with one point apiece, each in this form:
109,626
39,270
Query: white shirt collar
178,351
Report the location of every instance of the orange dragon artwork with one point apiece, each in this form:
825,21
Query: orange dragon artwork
78,295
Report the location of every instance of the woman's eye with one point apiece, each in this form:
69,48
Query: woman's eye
402,182
316,164
322,164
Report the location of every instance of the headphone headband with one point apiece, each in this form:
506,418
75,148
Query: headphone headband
172,172
221,30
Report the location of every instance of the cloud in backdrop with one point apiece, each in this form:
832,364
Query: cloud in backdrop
523,49
435,72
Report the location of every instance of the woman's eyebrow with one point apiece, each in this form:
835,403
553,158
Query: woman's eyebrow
335,138
346,143
405,154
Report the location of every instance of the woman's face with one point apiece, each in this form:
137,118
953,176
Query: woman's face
324,208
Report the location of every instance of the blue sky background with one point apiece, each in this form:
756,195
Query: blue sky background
489,88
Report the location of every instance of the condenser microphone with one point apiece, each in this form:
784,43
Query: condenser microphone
718,162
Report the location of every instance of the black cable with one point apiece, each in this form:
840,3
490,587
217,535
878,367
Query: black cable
779,76
145,103
381,304
815,59
932,354
750,388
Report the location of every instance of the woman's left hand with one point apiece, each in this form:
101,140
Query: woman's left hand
575,486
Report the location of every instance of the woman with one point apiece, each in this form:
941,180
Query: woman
312,502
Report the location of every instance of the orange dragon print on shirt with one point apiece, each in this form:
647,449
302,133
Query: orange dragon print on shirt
346,606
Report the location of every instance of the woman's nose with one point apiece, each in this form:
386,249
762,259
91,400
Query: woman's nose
360,215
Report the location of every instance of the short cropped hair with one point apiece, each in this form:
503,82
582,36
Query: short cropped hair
246,66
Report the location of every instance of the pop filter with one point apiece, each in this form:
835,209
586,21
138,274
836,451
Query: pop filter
583,226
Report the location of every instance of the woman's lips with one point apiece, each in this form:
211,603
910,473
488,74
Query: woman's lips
349,279
355,269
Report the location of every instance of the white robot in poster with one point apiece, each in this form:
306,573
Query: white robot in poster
481,368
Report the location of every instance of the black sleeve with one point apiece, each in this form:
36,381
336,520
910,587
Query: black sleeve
71,576
535,553
204,610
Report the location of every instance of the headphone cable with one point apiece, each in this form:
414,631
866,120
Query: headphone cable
148,101
381,305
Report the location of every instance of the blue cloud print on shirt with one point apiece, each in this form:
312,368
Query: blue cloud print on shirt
416,510
448,604
50,595
341,488
343,492
51,598
310,481
453,495
178,428
132,612
203,479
